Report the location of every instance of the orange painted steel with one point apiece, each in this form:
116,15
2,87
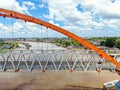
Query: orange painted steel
13,14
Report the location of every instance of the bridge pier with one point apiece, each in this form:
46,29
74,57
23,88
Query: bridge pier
16,70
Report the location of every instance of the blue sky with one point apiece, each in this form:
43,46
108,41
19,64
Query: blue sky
86,18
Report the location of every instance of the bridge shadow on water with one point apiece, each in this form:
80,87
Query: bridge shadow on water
70,87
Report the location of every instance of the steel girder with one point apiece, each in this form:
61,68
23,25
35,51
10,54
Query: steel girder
78,60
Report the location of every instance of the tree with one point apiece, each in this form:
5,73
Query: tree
110,42
102,43
75,43
66,43
118,43
37,40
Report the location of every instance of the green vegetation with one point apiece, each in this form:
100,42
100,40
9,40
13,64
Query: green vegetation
64,42
111,42
118,43
5,46
103,41
2,43
13,45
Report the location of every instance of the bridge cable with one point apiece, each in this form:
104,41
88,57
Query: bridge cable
4,29
47,38
25,28
12,32
42,51
37,40
41,32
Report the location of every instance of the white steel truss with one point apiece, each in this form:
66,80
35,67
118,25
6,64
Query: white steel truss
79,60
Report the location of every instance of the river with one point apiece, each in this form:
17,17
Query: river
42,46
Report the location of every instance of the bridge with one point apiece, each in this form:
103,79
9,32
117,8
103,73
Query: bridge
82,60
78,60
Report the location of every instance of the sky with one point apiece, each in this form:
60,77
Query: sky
85,18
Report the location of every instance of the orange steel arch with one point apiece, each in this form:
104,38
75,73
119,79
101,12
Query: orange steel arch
13,14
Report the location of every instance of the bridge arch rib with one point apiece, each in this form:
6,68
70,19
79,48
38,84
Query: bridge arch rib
16,15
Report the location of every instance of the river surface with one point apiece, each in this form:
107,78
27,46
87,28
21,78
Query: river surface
42,46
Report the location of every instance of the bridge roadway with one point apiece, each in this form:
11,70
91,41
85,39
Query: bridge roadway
79,60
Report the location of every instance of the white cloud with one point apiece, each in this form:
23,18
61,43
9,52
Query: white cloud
42,5
93,17
1,24
67,12
13,5
5,28
30,24
105,8
96,15
52,22
30,4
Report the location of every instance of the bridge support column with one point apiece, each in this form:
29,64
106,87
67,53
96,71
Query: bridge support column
71,70
43,70
16,70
